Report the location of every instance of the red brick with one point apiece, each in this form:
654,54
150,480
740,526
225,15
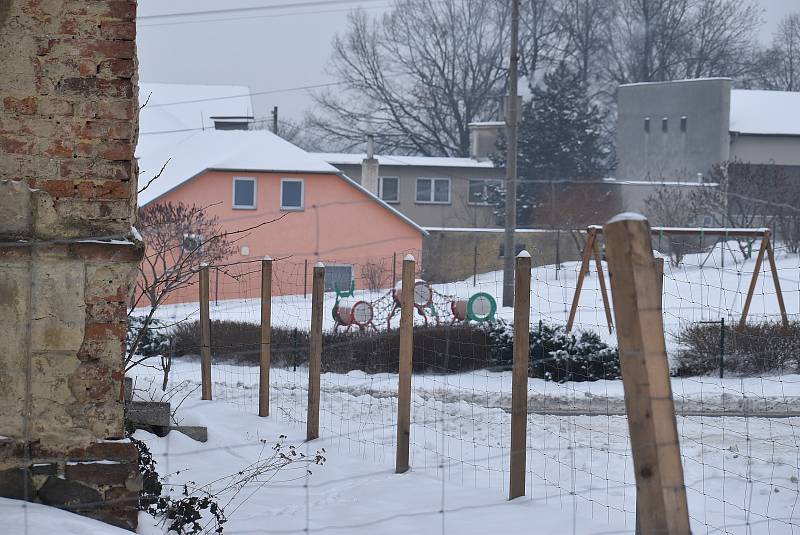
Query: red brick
15,145
56,188
107,311
106,49
116,151
55,107
118,30
105,451
124,68
105,331
23,106
59,149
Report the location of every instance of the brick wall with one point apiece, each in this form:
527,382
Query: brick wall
68,124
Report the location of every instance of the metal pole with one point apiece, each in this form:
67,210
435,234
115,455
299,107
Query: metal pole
475,266
305,279
512,115
721,347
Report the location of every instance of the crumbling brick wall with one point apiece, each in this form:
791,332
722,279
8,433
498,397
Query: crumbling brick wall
68,256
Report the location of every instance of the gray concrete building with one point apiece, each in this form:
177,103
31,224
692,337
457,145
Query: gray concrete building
676,131
434,192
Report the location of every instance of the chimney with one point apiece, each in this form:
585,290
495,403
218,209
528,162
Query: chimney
370,168
483,138
232,122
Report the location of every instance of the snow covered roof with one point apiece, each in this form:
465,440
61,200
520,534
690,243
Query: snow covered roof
417,161
676,81
252,150
765,112
174,112
237,150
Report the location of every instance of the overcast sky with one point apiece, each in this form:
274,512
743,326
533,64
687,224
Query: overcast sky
265,45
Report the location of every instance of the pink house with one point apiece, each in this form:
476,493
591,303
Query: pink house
247,178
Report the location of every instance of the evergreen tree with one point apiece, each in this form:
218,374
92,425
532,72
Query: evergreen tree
561,137
561,131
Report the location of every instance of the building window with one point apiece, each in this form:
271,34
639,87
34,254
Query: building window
244,193
291,194
684,120
647,124
481,190
433,190
191,242
338,277
389,188
664,125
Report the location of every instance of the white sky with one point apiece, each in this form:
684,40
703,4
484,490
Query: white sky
267,49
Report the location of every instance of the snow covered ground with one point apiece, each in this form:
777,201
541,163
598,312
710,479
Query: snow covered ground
741,472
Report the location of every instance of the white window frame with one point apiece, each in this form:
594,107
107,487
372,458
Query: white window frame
486,182
352,276
255,193
380,189
433,190
302,195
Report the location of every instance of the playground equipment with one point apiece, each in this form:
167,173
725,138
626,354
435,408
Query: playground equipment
432,305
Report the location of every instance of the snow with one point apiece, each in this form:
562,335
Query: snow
418,161
652,183
524,254
36,519
635,84
174,112
627,216
765,112
491,230
246,151
409,257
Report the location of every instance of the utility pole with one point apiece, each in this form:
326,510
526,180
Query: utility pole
275,120
512,119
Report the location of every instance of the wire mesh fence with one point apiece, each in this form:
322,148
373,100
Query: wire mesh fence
734,386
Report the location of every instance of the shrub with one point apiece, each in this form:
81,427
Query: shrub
154,341
438,349
753,349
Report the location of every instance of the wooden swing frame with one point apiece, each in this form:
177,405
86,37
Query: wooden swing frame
591,249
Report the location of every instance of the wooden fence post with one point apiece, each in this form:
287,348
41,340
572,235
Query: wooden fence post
519,375
205,334
315,350
404,370
660,488
266,336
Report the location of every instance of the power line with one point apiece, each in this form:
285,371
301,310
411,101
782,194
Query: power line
313,3
251,17
246,95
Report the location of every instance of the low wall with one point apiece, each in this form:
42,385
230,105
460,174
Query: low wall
456,254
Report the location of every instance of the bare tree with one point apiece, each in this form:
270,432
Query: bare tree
658,40
178,238
583,26
780,63
748,196
539,36
416,77
672,206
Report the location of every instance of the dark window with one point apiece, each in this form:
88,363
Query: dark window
338,277
191,242
647,124
684,120
244,192
433,190
291,194
389,189
481,190
664,124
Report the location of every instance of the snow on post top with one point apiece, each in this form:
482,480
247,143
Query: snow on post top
268,258
319,264
627,216
524,254
409,257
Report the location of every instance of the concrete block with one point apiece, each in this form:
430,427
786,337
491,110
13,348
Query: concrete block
58,305
15,209
148,413
195,432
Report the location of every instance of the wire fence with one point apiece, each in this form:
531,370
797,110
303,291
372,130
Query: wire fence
735,388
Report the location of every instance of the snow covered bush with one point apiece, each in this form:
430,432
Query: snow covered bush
750,350
152,339
558,355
